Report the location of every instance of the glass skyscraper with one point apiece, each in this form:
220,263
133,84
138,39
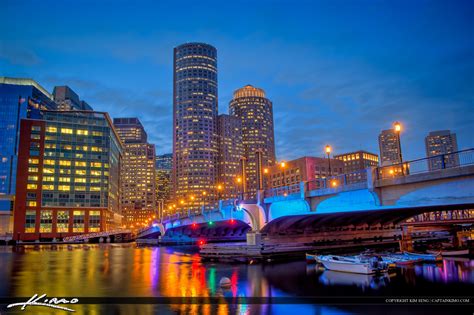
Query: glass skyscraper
19,98
256,113
194,124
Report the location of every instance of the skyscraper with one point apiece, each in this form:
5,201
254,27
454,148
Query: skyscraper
389,148
194,123
230,151
68,176
256,114
137,173
163,167
20,98
441,142
67,99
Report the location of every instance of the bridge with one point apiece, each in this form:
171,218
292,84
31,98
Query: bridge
117,235
412,188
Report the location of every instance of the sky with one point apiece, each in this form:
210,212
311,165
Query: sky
337,72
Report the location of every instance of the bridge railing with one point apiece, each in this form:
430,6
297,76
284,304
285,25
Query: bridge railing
428,164
282,191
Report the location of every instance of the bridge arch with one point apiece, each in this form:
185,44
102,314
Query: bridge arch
256,214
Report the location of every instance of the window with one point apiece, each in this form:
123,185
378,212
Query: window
31,186
48,187
78,163
35,136
49,162
33,178
64,188
96,164
79,180
80,172
82,132
48,170
64,163
94,221
51,129
95,189
97,133
30,221
33,161
33,169
62,221
46,221
35,128
48,178
31,203
64,179
80,188
66,131
96,173
78,221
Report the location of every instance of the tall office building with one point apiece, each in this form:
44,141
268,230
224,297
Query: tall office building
389,145
137,173
256,114
441,142
194,124
68,176
19,98
355,162
67,99
230,151
163,167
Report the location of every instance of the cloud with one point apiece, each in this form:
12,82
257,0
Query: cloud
16,55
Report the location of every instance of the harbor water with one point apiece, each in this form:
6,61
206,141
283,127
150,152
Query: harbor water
124,271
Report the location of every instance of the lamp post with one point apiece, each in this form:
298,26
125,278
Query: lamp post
203,202
265,173
219,188
397,127
282,166
328,152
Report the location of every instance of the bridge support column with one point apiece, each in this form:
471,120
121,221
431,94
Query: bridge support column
406,243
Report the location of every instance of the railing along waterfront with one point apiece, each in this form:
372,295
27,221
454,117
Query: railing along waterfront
428,164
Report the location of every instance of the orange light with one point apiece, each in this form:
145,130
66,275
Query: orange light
239,179
334,183
328,149
204,193
265,170
181,201
192,197
219,187
282,164
397,126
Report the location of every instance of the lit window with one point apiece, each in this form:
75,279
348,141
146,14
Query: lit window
33,169
80,188
82,132
79,180
33,161
80,172
31,186
48,178
51,129
97,133
64,179
48,170
48,187
62,221
66,131
64,188
64,163
49,162
33,177
78,163
95,189
78,221
30,221
31,204
96,173
96,164
46,221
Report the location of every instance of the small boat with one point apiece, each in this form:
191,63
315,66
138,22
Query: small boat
311,258
352,264
401,260
450,252
425,257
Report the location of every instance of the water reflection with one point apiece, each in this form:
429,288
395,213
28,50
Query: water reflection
126,271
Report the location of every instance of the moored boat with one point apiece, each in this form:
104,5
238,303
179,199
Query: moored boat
425,257
352,264
311,258
450,252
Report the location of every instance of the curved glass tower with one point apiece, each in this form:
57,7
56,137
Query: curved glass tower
256,113
194,125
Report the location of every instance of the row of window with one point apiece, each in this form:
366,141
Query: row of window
64,224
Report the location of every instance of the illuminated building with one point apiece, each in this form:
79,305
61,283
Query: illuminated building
194,123
230,151
68,176
19,98
137,173
389,145
163,167
303,169
256,114
441,142
355,162
67,99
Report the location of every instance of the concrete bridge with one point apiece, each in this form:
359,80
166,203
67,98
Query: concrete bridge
410,185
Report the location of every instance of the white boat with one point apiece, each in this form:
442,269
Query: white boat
352,264
450,252
311,258
426,257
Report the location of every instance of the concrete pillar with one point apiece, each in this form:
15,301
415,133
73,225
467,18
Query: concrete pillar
302,190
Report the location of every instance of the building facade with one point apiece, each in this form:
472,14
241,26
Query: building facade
441,142
19,99
68,179
256,114
194,123
304,169
389,145
67,100
163,168
230,151
355,164
137,173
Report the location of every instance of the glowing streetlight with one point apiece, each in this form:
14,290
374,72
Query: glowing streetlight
328,152
397,127
265,170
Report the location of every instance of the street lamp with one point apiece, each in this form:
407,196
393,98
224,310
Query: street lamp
328,152
203,196
397,127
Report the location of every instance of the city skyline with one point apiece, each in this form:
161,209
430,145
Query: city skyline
347,82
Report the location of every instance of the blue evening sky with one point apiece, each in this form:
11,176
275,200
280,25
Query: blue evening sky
337,72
